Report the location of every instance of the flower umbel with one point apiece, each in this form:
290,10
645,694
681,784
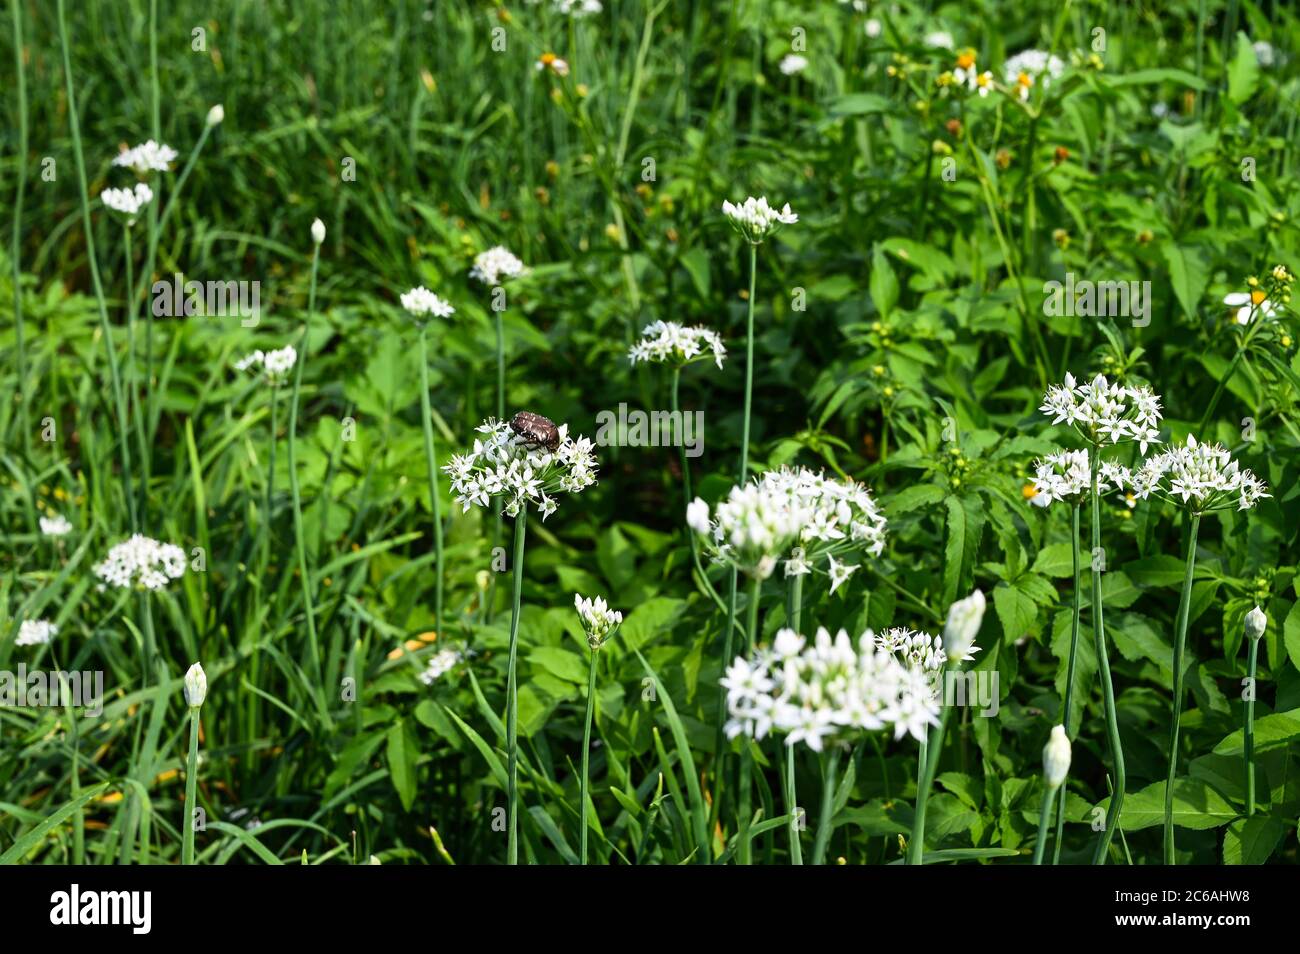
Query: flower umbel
504,464
147,157
827,691
421,302
756,220
35,632
141,563
668,341
1105,412
496,263
1202,477
274,365
599,622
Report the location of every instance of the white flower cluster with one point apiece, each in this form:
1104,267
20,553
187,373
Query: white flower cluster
827,691
502,464
1021,70
274,365
127,202
440,663
420,301
1065,476
141,562
793,63
918,650
796,513
670,341
756,220
496,263
577,8
35,632
55,525
1203,474
147,157
599,622
1103,411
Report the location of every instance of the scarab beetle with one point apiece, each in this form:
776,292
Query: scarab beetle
535,431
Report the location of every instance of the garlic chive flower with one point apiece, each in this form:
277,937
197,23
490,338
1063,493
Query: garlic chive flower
599,622
147,157
1104,412
441,663
216,115
756,220
962,626
196,686
1201,477
503,464
1256,623
797,514
668,341
1056,758
827,691
274,365
1022,70
792,64
496,263
421,302
577,8
1064,476
127,202
317,231
141,563
35,632
55,525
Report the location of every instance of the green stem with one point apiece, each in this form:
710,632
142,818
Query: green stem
431,462
106,330
793,612
720,743
586,751
830,766
300,539
749,364
744,854
23,418
1067,705
1103,668
191,789
512,700
1180,641
1219,388
929,762
1248,735
1044,820
686,483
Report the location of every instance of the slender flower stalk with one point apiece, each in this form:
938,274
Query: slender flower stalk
24,421
1067,704
1256,623
512,698
962,626
599,623
744,854
196,690
830,774
106,331
422,303
300,539
1180,642
793,612
1056,765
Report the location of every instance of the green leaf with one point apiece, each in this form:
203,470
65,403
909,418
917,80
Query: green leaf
19,849
560,662
884,284
1280,728
910,498
860,104
1243,73
1196,806
1188,273
1056,560
1250,841
402,753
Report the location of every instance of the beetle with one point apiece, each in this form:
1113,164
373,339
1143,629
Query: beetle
534,430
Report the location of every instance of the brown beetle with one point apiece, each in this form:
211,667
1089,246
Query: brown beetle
535,431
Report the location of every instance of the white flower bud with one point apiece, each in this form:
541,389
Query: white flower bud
196,686
1256,623
317,231
963,625
216,114
697,516
1056,757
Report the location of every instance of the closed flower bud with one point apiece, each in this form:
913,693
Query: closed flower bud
1056,757
1256,622
196,686
317,231
963,625
216,114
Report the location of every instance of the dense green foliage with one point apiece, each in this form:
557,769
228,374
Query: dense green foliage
901,339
